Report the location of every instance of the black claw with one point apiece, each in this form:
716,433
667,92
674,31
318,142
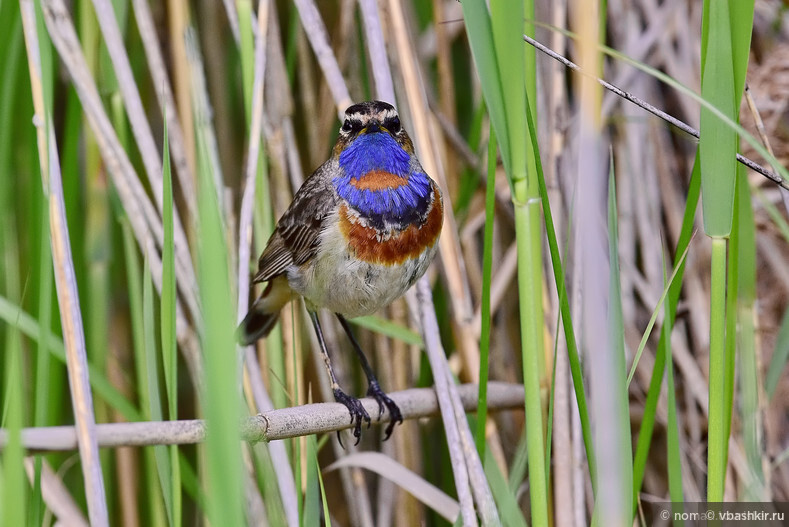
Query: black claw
375,391
357,411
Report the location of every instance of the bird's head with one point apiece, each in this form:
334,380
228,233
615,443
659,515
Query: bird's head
372,117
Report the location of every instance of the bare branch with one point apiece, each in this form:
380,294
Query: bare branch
269,426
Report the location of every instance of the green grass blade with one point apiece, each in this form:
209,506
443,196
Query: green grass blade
780,356
655,312
718,144
509,510
480,36
623,472
36,510
750,381
576,371
16,318
324,498
310,514
138,328
741,17
506,17
223,450
13,482
730,337
487,272
247,50
167,312
663,349
163,467
672,427
390,329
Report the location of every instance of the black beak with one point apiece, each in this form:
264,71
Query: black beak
373,127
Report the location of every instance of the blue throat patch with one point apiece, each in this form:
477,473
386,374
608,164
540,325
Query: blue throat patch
402,205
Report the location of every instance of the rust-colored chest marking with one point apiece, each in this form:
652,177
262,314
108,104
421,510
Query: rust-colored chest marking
371,246
377,180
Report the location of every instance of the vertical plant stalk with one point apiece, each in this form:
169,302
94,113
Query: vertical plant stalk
178,19
384,87
156,513
435,354
319,39
449,248
528,235
66,285
502,67
724,57
601,335
717,441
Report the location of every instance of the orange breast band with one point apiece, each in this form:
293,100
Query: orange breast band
407,244
378,180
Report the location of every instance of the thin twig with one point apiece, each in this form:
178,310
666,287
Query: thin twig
285,423
757,117
756,167
66,285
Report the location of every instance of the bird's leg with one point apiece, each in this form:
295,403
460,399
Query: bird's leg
358,413
373,388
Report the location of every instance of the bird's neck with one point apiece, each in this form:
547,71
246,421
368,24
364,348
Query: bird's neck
380,182
374,152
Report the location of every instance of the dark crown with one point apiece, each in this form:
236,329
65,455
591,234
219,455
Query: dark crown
369,113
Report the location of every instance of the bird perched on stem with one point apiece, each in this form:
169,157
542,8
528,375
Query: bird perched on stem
359,232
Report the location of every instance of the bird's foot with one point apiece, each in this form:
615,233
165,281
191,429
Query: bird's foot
375,391
357,411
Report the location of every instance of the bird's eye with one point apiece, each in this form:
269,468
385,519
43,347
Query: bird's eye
393,125
346,126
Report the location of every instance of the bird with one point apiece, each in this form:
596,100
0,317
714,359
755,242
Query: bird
361,230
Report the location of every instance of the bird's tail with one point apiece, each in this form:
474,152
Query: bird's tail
264,312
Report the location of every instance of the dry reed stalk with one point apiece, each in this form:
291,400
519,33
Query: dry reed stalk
143,218
184,166
140,127
319,40
178,27
66,285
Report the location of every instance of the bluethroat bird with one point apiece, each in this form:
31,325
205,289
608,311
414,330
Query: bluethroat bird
359,232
